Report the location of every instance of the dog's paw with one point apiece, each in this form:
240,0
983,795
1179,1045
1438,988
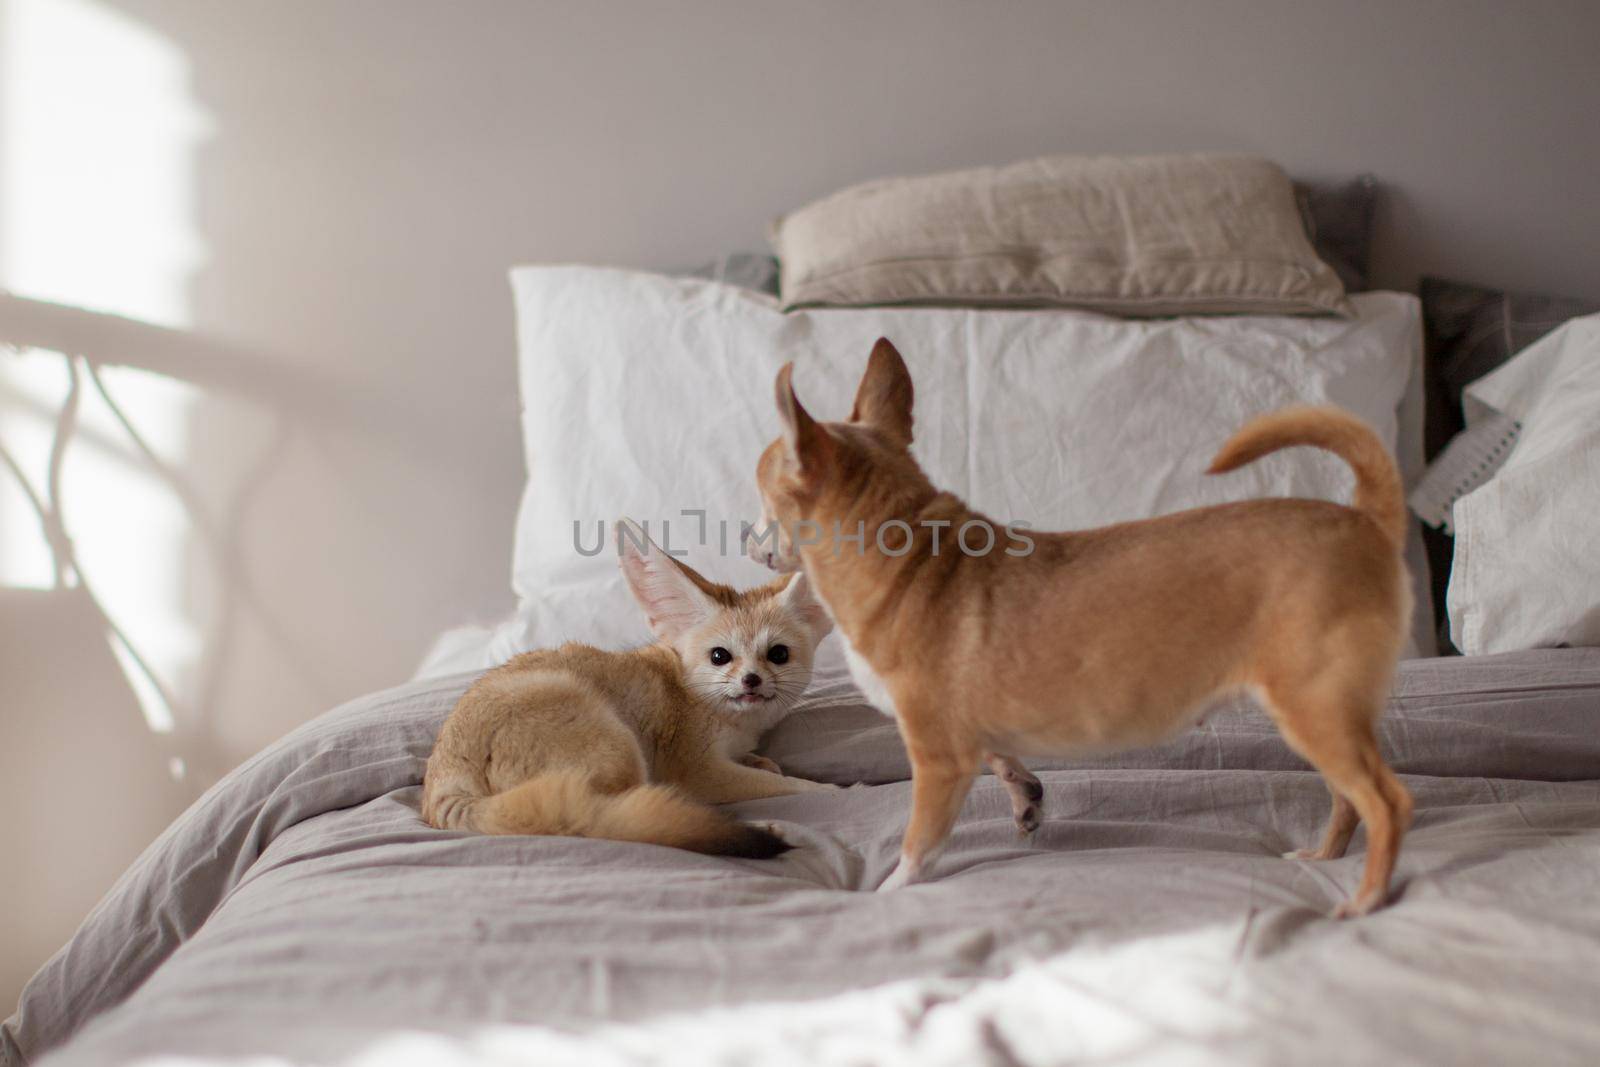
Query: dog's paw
1358,905
903,875
1308,854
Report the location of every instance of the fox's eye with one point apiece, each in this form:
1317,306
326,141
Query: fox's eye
720,655
778,654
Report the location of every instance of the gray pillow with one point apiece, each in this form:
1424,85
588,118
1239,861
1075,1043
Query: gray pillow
1338,219
1468,331
748,270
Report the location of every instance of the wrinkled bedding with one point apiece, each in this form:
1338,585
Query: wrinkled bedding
301,911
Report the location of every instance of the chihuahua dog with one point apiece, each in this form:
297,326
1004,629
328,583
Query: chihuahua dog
1102,639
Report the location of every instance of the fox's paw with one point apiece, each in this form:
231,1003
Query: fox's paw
760,763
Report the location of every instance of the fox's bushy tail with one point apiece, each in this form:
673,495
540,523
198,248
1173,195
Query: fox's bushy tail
568,805
1379,493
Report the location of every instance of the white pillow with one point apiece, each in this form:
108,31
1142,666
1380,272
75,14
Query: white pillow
1526,572
645,395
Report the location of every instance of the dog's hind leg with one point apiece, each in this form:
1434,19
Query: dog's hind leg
1339,741
1025,790
1341,827
1385,806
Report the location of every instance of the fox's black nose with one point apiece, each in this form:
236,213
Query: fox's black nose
751,681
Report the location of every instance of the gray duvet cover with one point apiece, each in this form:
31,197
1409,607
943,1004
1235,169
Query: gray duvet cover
301,911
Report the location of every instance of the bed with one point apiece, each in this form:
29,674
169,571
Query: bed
301,912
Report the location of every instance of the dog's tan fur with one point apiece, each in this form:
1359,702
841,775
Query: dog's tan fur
1105,638
634,745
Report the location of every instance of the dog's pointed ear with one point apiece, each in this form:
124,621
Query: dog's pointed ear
670,593
883,399
807,443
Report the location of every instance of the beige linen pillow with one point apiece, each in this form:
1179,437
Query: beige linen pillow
1125,235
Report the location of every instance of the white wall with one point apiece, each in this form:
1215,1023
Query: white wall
334,191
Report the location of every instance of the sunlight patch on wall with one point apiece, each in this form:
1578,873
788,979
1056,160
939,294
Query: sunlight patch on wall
97,185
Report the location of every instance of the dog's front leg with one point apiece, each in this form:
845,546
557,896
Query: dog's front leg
1027,793
939,783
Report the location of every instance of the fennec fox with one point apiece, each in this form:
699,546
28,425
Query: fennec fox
635,745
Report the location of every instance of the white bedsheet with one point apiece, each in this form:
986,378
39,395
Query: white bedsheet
1527,552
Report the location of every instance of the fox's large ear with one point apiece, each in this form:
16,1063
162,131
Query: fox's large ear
672,602
799,598
807,444
883,399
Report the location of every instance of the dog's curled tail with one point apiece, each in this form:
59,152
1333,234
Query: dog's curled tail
1379,493
563,804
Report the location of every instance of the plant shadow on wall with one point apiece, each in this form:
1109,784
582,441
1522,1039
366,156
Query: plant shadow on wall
153,478
126,592
163,585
